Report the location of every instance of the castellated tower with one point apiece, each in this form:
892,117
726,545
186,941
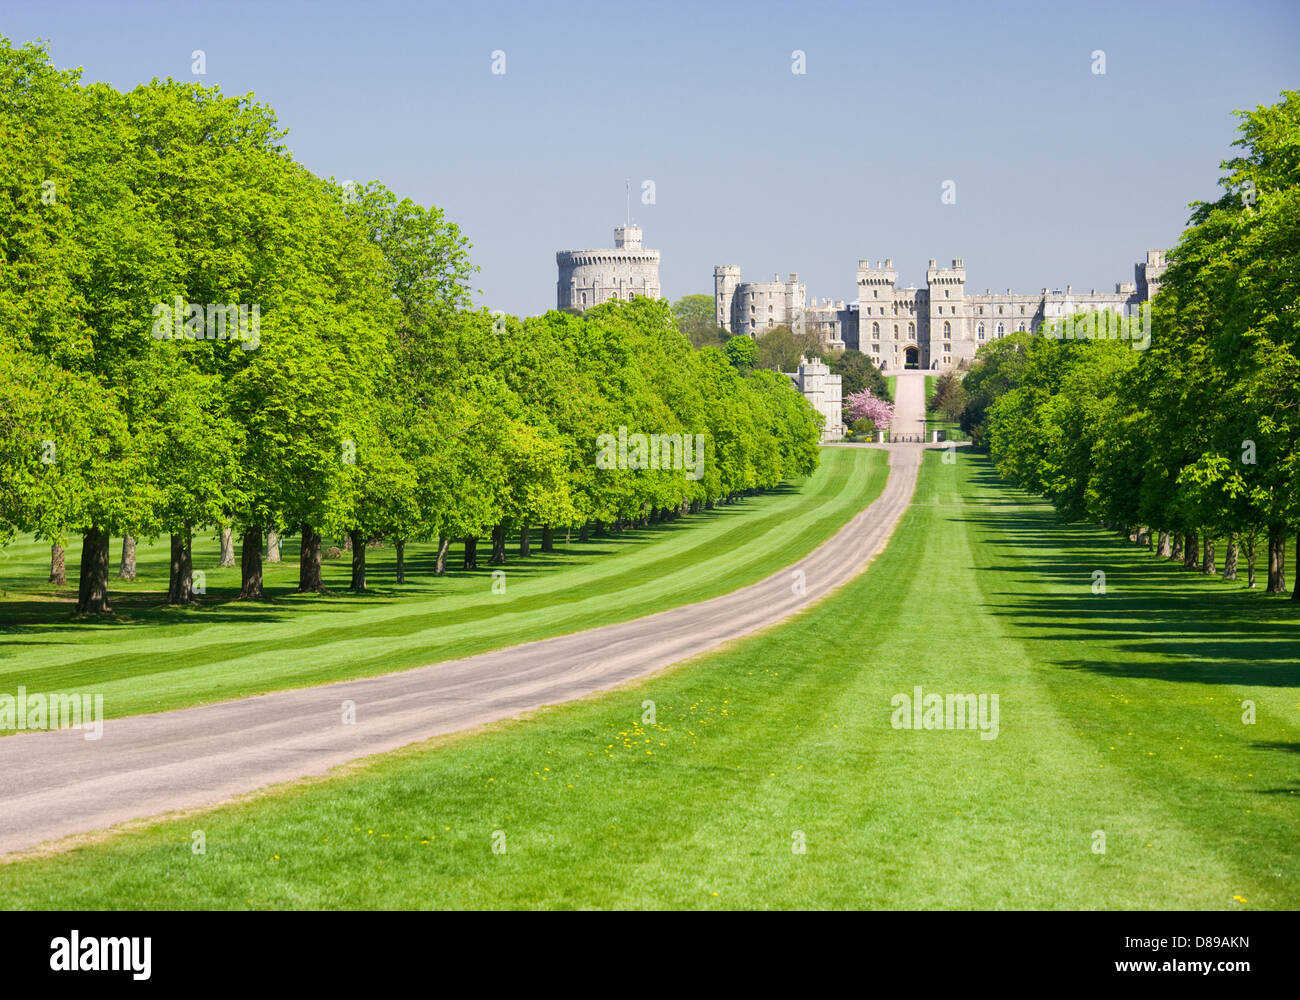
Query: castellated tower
950,337
589,277
886,320
1149,274
725,279
753,307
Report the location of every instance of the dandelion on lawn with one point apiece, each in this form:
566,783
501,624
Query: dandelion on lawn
1240,899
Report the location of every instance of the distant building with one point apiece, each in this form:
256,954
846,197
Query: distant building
824,393
589,277
935,327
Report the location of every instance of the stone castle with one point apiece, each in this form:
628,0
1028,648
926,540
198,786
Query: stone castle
937,327
589,277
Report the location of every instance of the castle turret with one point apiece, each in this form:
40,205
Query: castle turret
949,317
881,328
725,279
1149,275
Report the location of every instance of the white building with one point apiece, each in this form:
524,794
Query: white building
824,393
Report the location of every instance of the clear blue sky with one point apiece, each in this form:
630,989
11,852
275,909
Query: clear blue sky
1062,175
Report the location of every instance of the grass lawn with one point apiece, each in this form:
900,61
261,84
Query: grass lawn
1120,714
152,657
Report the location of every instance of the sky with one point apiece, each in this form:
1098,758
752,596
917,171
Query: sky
1061,174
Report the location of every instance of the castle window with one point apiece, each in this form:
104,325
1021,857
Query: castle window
999,310
941,310
1001,330
875,348
895,329
945,293
1022,310
875,331
911,329
981,310
947,329
1022,327
875,293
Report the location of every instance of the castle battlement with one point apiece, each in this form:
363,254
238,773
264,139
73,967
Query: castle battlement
939,326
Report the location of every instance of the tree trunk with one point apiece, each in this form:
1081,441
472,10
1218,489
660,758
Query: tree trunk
309,575
548,539
471,552
440,565
126,568
347,543
498,545
227,547
1276,559
1162,548
1230,558
92,589
250,566
708,504
1207,555
1295,594
358,560
180,577
1176,549
400,545
525,542
1189,550
272,546
584,533
1250,560
58,565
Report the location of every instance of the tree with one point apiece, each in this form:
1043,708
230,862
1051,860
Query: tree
741,352
948,397
780,349
696,319
865,406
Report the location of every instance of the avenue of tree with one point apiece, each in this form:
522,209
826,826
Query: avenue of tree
1196,440
375,402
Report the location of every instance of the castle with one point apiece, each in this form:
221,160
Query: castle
937,327
589,277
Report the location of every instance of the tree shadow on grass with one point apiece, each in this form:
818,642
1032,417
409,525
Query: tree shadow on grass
1176,625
